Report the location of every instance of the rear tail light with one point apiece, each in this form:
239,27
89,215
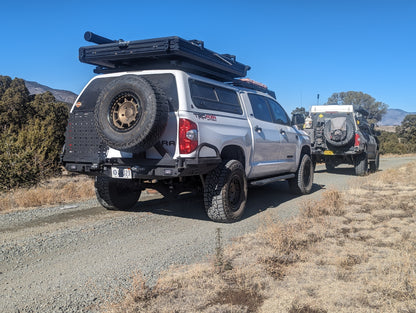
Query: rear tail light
357,140
188,136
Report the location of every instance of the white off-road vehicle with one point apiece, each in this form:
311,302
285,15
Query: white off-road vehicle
174,118
342,134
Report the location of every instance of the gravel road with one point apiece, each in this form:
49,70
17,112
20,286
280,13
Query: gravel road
71,258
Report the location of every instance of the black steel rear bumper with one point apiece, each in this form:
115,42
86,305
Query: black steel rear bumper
149,168
329,152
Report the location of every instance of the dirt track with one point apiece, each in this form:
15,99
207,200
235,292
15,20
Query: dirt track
73,257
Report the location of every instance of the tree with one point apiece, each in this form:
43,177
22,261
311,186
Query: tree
14,102
300,110
5,82
403,140
407,130
376,109
32,132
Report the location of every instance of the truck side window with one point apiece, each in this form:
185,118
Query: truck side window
260,108
211,97
279,115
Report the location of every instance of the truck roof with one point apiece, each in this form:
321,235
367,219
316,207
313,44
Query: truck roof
332,108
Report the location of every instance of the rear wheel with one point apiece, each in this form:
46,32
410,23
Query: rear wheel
302,182
225,192
330,165
116,194
361,164
374,165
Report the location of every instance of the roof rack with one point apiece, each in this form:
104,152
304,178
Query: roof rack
160,53
253,85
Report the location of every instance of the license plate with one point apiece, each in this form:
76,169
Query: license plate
117,172
328,152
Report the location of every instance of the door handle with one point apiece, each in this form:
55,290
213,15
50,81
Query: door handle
258,129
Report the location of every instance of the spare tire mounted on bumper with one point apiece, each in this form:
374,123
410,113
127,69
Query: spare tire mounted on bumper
339,131
131,114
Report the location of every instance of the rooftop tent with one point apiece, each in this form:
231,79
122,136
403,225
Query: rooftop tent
160,53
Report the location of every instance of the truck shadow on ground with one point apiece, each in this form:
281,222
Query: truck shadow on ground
348,171
191,206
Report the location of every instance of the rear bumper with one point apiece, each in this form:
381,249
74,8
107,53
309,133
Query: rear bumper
149,168
335,152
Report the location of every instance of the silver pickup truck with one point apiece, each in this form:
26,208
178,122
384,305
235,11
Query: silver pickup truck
176,131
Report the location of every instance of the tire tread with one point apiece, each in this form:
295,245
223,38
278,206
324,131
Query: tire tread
215,200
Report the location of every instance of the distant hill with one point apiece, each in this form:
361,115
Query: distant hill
60,95
394,117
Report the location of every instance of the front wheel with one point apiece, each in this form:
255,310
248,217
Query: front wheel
116,194
361,164
302,182
225,192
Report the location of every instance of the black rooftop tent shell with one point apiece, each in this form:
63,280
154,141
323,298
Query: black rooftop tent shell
162,53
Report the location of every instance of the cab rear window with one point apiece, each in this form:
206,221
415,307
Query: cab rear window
211,97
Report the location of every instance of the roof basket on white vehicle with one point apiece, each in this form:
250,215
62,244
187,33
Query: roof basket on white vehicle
160,53
252,84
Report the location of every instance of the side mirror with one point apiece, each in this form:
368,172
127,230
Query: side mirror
298,119
363,111
374,130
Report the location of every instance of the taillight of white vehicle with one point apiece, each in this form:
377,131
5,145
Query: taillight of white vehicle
357,140
188,136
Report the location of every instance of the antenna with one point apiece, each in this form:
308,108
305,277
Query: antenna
301,99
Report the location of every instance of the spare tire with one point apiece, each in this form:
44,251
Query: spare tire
339,131
131,114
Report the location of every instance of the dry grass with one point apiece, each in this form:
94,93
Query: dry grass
392,155
65,189
353,251
366,259
331,203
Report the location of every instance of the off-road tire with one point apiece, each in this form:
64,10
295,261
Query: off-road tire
116,194
348,136
131,114
374,165
302,182
225,192
314,163
330,166
361,164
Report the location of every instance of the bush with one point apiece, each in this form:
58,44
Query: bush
407,130
32,132
392,143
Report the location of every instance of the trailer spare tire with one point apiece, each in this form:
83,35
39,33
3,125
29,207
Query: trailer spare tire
131,114
339,131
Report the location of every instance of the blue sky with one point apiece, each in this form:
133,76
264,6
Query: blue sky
297,48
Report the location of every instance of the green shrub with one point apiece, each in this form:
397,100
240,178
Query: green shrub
393,143
32,132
